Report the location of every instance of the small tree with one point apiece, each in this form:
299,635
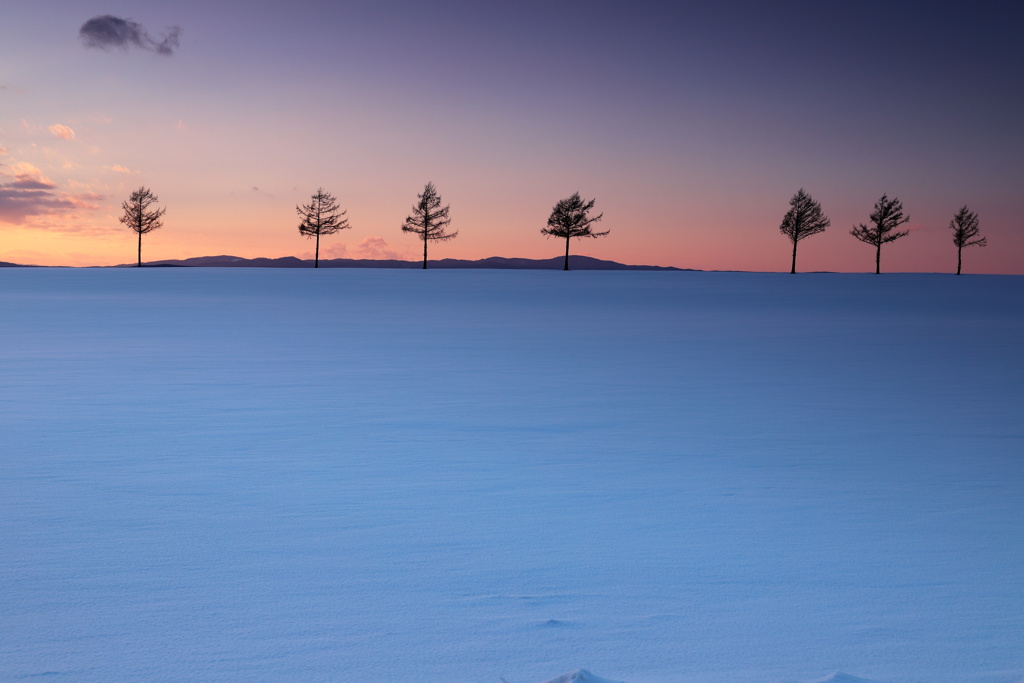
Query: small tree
571,218
429,219
322,216
887,216
965,233
802,220
139,217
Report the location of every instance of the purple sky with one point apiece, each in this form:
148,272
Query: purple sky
691,124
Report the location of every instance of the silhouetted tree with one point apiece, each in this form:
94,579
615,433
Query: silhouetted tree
139,217
571,218
965,233
429,219
322,216
887,216
802,220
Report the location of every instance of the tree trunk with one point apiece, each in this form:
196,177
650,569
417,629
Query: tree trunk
878,259
424,251
566,267
959,251
792,270
316,258
139,264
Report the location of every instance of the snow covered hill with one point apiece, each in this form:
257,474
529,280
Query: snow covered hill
359,475
840,677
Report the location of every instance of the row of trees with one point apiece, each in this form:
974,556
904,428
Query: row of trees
323,216
805,218
429,219
571,218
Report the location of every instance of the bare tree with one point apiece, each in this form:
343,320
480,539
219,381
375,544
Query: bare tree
322,216
429,219
139,217
965,233
887,216
803,219
571,218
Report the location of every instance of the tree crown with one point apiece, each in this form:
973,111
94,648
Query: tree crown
322,216
887,216
137,213
429,218
571,218
965,229
804,218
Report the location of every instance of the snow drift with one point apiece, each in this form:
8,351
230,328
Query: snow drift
581,676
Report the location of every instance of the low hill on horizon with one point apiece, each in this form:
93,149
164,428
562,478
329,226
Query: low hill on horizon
493,262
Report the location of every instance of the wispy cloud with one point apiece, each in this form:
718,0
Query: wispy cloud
24,256
118,168
27,176
376,248
369,248
107,31
26,192
54,258
62,132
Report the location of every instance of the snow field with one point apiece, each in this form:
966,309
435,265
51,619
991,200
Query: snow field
249,474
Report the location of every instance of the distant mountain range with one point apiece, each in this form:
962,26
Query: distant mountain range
494,262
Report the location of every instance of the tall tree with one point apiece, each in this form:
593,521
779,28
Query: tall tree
322,216
803,219
965,233
571,218
429,219
139,217
887,216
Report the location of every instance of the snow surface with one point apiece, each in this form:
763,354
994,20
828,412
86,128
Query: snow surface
581,676
360,475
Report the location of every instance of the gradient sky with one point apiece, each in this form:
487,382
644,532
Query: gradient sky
692,124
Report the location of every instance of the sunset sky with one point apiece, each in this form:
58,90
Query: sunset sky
691,124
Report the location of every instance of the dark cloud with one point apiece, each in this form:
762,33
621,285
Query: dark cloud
108,31
27,192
